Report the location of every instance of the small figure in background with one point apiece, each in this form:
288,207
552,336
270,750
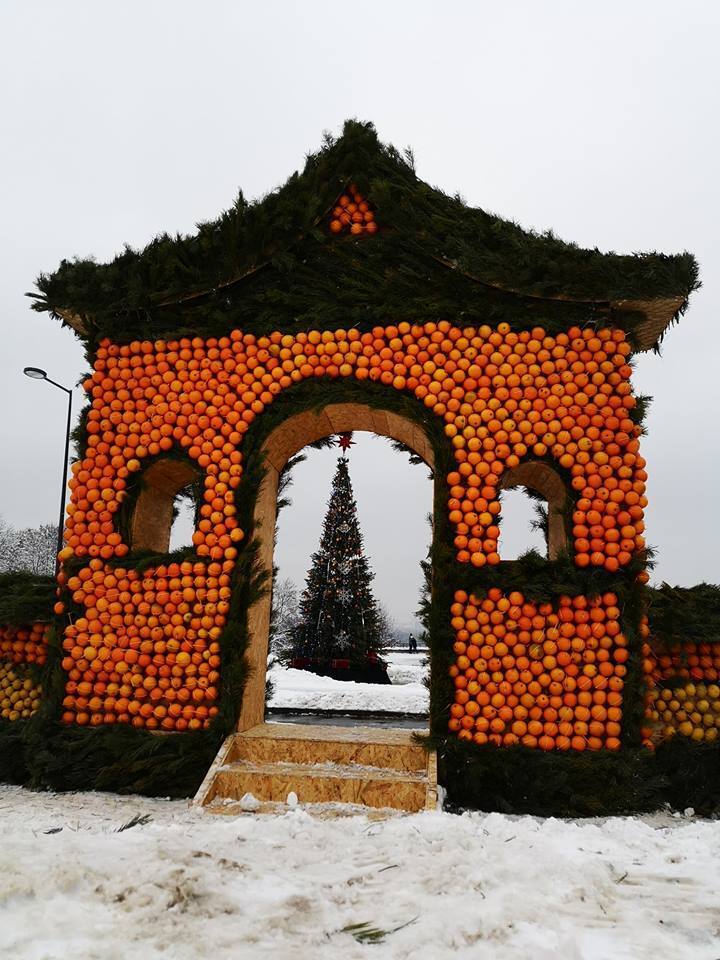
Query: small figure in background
412,643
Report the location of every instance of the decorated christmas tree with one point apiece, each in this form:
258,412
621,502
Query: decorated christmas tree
340,630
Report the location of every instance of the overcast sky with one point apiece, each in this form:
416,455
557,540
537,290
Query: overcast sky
599,121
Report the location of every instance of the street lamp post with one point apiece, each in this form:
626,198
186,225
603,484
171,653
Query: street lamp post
35,373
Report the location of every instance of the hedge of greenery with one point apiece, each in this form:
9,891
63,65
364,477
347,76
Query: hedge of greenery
25,598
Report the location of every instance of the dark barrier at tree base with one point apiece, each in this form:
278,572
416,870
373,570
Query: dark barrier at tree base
374,670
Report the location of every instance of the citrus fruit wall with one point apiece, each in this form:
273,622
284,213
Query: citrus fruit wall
145,650
20,692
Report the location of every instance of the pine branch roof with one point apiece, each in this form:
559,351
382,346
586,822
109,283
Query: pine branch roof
274,264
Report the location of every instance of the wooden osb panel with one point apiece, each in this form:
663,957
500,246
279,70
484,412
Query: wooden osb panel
252,711
294,434
659,315
356,766
388,748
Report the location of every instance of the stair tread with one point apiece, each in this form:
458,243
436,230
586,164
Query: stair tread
364,768
302,731
346,771
323,811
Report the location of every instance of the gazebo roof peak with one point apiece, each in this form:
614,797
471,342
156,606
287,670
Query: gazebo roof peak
276,262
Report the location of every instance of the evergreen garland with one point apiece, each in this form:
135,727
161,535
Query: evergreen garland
681,615
26,598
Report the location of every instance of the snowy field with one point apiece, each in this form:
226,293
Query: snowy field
304,690
187,885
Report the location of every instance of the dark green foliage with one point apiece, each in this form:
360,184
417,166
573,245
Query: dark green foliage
680,615
639,412
524,780
425,598
634,780
271,264
119,758
139,820
191,495
25,598
541,580
338,612
13,767
691,775
401,447
520,780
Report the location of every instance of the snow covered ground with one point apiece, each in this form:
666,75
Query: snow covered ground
187,885
304,690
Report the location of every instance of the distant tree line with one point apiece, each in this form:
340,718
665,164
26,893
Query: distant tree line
31,550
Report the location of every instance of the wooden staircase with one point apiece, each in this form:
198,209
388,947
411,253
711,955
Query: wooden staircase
357,767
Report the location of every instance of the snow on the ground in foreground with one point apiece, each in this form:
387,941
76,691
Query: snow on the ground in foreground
305,690
191,885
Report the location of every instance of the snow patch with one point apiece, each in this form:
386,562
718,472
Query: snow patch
303,690
187,884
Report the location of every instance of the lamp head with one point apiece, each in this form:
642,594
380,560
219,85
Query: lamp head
35,373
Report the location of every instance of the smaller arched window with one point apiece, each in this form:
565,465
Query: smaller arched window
544,481
152,519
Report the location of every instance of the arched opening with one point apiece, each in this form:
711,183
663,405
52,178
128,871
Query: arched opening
523,526
389,497
184,516
548,485
152,519
283,443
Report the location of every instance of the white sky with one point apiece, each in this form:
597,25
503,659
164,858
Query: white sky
598,121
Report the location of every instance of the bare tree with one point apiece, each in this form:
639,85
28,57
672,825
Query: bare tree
284,613
8,546
31,550
388,628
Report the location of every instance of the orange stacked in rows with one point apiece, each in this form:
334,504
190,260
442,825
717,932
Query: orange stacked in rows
690,709
24,644
534,675
503,396
353,214
19,692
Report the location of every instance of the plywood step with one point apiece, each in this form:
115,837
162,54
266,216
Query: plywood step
323,783
361,767
226,807
301,743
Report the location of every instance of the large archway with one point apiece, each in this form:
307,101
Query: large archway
281,444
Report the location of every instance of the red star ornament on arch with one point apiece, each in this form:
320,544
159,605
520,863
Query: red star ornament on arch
345,441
